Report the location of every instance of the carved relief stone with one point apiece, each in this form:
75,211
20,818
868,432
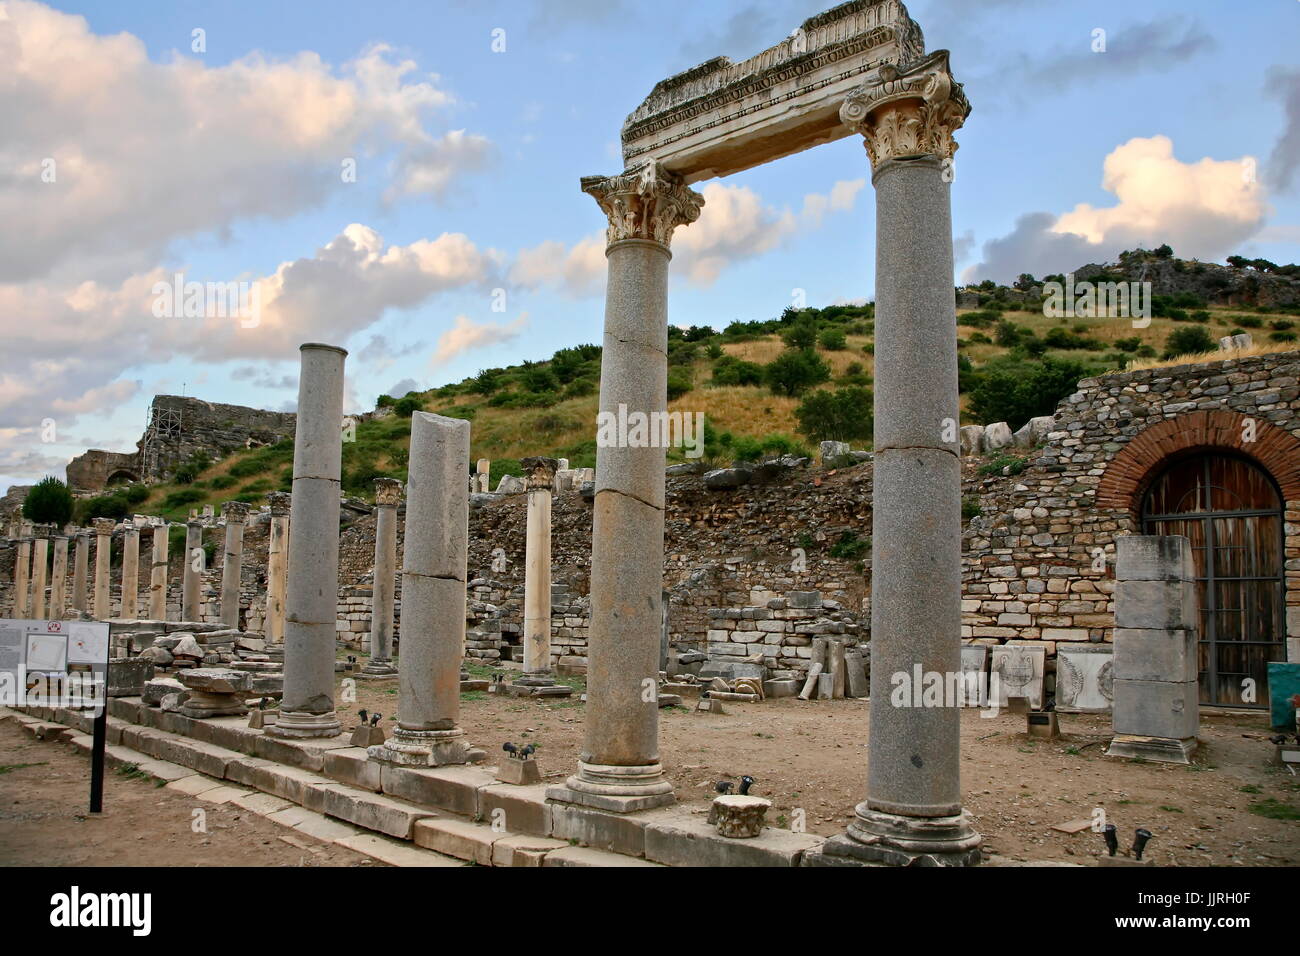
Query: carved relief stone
646,203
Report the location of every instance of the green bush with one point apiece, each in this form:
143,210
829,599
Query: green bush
49,502
802,334
220,482
1188,341
679,383
385,401
1011,463
795,371
841,414
730,370
850,546
102,506
182,497
406,407
1016,391
833,340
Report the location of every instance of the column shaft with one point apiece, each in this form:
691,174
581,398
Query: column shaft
277,565
192,573
130,573
388,492
22,578
103,557
80,565
59,578
232,566
158,575
537,568
40,558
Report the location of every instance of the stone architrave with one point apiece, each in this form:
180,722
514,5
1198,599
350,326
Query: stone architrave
1085,678
40,559
158,574
277,565
311,597
1156,711
540,475
433,599
59,578
103,556
22,577
130,572
388,495
913,810
236,514
619,768
192,573
80,567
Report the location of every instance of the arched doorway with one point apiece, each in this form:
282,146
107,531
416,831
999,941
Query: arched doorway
1231,510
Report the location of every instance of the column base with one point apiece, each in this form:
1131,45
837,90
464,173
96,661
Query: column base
425,748
616,789
378,669
201,705
1162,749
536,685
877,838
298,724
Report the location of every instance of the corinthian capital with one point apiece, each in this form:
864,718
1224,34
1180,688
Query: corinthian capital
909,112
539,472
644,203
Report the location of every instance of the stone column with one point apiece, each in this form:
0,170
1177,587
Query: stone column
312,592
192,573
619,766
433,598
235,513
130,572
22,577
80,565
277,564
158,575
40,558
913,811
540,475
483,475
1156,711
388,493
59,578
103,542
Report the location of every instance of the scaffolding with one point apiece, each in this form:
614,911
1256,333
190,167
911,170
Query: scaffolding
162,433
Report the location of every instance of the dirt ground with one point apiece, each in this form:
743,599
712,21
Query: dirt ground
44,791
812,756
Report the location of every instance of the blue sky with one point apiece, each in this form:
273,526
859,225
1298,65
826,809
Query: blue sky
225,164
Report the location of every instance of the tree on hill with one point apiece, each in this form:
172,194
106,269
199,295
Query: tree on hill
795,371
1014,391
49,502
842,414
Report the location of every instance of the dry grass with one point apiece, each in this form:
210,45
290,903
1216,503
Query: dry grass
741,409
1216,355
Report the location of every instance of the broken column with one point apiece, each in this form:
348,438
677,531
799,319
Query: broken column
235,513
388,493
1156,705
311,596
277,565
40,558
433,598
22,577
540,475
913,811
130,572
192,573
482,475
158,574
619,768
103,555
59,578
80,565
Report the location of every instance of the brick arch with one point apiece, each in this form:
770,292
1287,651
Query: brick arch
1135,465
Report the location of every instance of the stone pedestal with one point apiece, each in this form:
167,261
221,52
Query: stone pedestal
913,812
619,769
103,541
277,565
158,574
483,475
236,514
80,566
737,816
519,773
433,598
1156,709
311,600
388,494
130,573
22,578
40,558
192,574
59,578
214,692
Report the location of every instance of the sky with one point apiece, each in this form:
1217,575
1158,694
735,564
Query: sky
401,179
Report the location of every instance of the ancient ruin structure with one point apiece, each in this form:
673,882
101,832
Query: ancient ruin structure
191,580
388,494
277,565
103,541
235,514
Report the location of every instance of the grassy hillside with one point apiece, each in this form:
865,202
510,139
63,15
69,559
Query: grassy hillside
1015,362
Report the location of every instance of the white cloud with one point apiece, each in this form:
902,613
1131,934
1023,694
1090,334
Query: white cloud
465,335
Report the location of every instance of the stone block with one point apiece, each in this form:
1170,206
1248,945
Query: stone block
1156,708
458,838
1153,558
518,809
369,810
519,850
453,788
614,832
685,839
1084,678
353,766
1156,604
590,856
1155,655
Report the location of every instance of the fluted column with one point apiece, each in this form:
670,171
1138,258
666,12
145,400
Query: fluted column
913,810
540,476
388,494
433,598
130,572
192,573
311,597
619,767
277,564
22,577
235,513
103,556
59,578
80,565
40,558
158,574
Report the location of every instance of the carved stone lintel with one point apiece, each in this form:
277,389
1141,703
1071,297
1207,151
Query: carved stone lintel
539,473
909,112
280,502
645,203
388,492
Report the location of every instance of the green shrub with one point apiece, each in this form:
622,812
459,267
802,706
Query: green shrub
1016,391
50,502
182,497
385,401
1188,341
1011,463
841,414
801,335
730,370
220,482
833,340
679,383
850,546
406,407
795,371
